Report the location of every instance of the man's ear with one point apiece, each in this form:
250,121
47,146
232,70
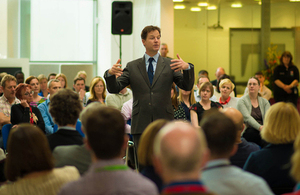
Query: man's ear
157,165
87,144
234,149
143,40
205,157
126,138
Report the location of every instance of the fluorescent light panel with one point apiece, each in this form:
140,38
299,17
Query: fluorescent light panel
203,4
177,0
179,7
211,7
236,5
195,9
294,0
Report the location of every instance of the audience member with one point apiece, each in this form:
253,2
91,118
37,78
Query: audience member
202,79
226,88
107,141
2,163
117,100
29,165
8,86
206,92
23,112
83,75
79,84
282,125
43,85
53,86
217,91
145,151
2,74
244,148
180,152
203,73
295,166
65,108
97,91
63,80
164,50
127,112
264,91
51,76
253,107
186,99
75,155
35,86
218,174
19,76
219,72
179,112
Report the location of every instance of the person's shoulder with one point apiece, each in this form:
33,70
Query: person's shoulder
133,62
144,183
69,171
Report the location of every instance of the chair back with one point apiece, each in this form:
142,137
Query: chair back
5,132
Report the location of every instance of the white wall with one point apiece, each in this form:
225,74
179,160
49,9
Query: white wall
3,27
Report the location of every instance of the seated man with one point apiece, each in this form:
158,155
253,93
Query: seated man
65,108
179,153
53,86
117,100
244,148
107,141
79,88
218,174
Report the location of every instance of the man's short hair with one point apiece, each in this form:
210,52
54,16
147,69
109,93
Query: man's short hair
105,129
220,132
51,74
50,82
148,29
65,107
18,72
259,73
7,77
202,72
78,79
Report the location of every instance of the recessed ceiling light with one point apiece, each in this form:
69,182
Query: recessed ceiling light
211,7
177,0
294,0
236,5
203,4
179,7
195,9
259,3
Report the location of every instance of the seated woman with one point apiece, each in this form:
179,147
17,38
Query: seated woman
206,91
43,85
24,112
226,87
282,125
63,80
253,107
30,166
217,91
186,99
178,109
145,151
295,170
35,86
97,90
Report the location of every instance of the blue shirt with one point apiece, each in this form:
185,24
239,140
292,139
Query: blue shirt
44,109
154,62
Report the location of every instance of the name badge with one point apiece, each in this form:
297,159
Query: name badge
292,73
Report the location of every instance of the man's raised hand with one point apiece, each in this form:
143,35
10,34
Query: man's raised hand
179,64
116,69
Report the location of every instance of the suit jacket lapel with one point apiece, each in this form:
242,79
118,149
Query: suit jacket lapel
159,68
142,68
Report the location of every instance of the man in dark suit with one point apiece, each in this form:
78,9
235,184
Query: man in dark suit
150,78
65,108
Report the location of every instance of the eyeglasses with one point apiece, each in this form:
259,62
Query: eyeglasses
98,86
30,93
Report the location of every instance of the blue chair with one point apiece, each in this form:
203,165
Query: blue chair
5,132
78,128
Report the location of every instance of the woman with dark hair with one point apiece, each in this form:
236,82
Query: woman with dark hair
24,112
253,107
179,112
286,79
35,86
206,91
30,165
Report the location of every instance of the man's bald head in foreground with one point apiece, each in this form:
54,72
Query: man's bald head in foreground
179,149
237,118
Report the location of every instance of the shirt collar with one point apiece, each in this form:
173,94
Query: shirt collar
155,57
66,128
226,101
5,99
218,162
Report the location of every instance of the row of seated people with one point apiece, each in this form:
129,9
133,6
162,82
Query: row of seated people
175,156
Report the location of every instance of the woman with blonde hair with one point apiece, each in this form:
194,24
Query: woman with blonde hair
178,109
30,165
295,170
186,99
145,151
97,90
43,85
281,126
63,80
226,87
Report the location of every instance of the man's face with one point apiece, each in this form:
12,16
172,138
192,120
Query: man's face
152,42
52,77
9,90
261,78
54,87
79,85
164,50
202,80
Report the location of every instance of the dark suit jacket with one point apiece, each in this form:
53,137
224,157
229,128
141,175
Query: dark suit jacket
64,137
273,164
150,102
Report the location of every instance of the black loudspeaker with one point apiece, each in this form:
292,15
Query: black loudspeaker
121,17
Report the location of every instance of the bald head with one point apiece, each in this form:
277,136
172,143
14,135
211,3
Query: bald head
180,148
219,72
236,116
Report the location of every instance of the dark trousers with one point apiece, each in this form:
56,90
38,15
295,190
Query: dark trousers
253,135
293,98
